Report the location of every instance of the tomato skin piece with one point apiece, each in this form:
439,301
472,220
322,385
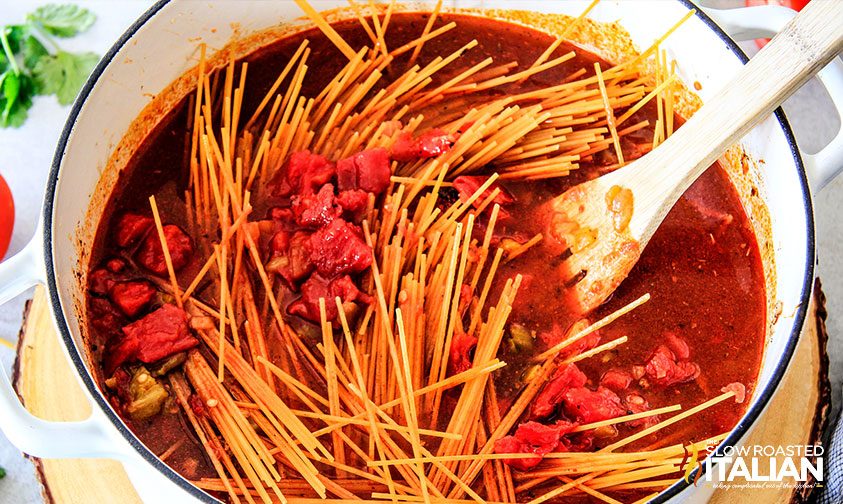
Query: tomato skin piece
796,5
7,216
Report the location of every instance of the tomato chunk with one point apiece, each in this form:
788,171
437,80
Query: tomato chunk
353,201
587,406
616,379
316,287
738,388
431,143
338,248
132,297
553,392
100,281
105,318
664,368
678,345
156,336
532,437
315,210
638,404
132,227
467,185
368,170
304,173
151,254
460,358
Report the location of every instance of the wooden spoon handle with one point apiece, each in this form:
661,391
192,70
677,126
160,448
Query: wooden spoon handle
807,43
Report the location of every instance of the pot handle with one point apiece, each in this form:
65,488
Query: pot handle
765,21
93,437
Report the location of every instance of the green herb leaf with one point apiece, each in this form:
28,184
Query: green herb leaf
63,20
8,54
32,51
15,99
11,89
28,67
15,34
63,74
2,473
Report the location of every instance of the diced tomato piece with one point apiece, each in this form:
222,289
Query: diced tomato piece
431,143
460,358
552,337
587,406
578,441
132,297
532,437
304,173
556,335
115,265
151,255
738,388
100,281
316,287
132,227
338,248
434,142
353,202
368,170
553,392
663,368
678,345
570,374
405,148
638,404
156,336
660,365
467,185
538,434
616,379
583,344
315,210
345,288
105,318
509,444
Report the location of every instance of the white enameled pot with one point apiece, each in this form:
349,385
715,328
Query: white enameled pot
156,50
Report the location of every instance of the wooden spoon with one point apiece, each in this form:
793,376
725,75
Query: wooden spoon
642,192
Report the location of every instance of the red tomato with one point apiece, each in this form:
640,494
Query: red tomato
7,216
796,5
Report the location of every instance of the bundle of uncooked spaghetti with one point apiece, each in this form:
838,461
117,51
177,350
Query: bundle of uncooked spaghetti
359,414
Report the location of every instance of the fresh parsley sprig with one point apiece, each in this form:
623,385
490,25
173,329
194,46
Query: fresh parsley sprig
29,68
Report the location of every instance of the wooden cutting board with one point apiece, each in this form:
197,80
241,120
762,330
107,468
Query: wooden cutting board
45,383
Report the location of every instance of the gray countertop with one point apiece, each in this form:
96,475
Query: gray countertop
25,156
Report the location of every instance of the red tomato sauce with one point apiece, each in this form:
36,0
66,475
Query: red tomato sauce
702,330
